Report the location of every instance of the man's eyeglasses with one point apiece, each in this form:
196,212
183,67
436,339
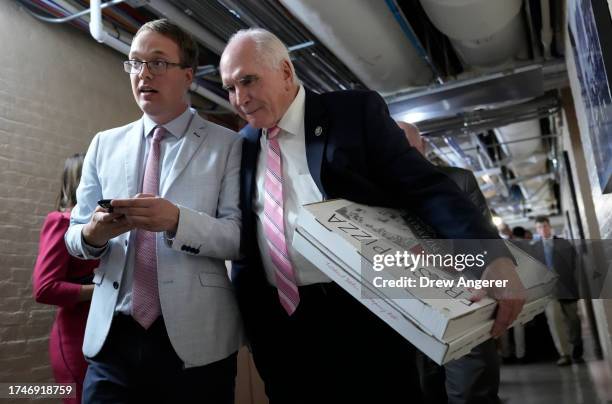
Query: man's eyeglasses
156,67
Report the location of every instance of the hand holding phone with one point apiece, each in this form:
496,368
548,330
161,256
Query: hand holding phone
106,204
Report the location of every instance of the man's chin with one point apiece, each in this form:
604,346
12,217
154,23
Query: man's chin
258,123
148,107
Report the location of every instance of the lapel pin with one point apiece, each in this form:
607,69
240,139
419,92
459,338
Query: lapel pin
318,131
195,134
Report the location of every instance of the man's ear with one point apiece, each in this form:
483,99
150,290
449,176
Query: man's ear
189,75
287,72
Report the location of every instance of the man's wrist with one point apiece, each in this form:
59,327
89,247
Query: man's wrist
90,243
171,233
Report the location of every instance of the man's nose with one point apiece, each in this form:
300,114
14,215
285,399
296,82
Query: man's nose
241,96
145,72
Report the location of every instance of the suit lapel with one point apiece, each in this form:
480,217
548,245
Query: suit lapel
132,150
194,136
316,131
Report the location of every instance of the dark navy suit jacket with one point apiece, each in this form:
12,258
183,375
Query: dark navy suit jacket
356,151
565,265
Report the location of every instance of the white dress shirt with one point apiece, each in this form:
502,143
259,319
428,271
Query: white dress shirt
298,189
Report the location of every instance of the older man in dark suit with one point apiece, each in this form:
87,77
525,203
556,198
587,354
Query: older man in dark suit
312,342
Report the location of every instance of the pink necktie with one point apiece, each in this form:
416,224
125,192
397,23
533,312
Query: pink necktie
274,226
145,295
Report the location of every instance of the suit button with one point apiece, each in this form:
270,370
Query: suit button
116,285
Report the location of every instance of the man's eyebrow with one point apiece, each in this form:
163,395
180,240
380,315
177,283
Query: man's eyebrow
241,79
155,53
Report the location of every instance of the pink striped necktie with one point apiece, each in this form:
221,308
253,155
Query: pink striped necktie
274,226
145,295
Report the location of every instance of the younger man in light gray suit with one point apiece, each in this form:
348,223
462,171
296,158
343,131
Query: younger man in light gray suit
163,324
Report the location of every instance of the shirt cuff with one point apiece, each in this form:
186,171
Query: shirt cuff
92,251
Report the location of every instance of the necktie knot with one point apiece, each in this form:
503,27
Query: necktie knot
273,132
158,133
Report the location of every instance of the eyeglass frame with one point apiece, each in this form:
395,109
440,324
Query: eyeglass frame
127,64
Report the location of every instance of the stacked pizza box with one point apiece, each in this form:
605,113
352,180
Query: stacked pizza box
393,264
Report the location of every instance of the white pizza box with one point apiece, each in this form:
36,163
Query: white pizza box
445,312
439,351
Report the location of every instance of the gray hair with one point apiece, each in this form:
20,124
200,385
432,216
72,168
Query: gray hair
270,50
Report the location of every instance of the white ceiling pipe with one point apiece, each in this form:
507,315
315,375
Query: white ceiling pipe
97,30
485,33
365,36
120,34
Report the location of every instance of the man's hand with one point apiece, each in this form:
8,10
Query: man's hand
510,300
103,226
149,212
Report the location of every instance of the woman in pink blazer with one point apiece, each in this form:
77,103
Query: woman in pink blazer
64,281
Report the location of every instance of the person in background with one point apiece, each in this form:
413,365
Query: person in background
521,233
561,313
473,378
505,232
66,282
519,237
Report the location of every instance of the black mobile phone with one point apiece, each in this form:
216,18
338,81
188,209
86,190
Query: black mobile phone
106,204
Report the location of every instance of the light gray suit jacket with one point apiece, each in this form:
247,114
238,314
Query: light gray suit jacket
197,299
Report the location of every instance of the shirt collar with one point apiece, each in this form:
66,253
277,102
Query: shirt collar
177,127
293,119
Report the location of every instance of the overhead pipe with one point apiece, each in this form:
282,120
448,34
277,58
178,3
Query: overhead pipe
455,148
488,119
486,34
546,33
97,30
175,15
377,53
533,36
71,17
414,40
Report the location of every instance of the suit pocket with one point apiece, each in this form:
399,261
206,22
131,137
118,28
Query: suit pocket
213,280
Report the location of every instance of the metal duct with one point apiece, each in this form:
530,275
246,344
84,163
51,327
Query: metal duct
456,97
366,37
532,175
485,33
481,120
